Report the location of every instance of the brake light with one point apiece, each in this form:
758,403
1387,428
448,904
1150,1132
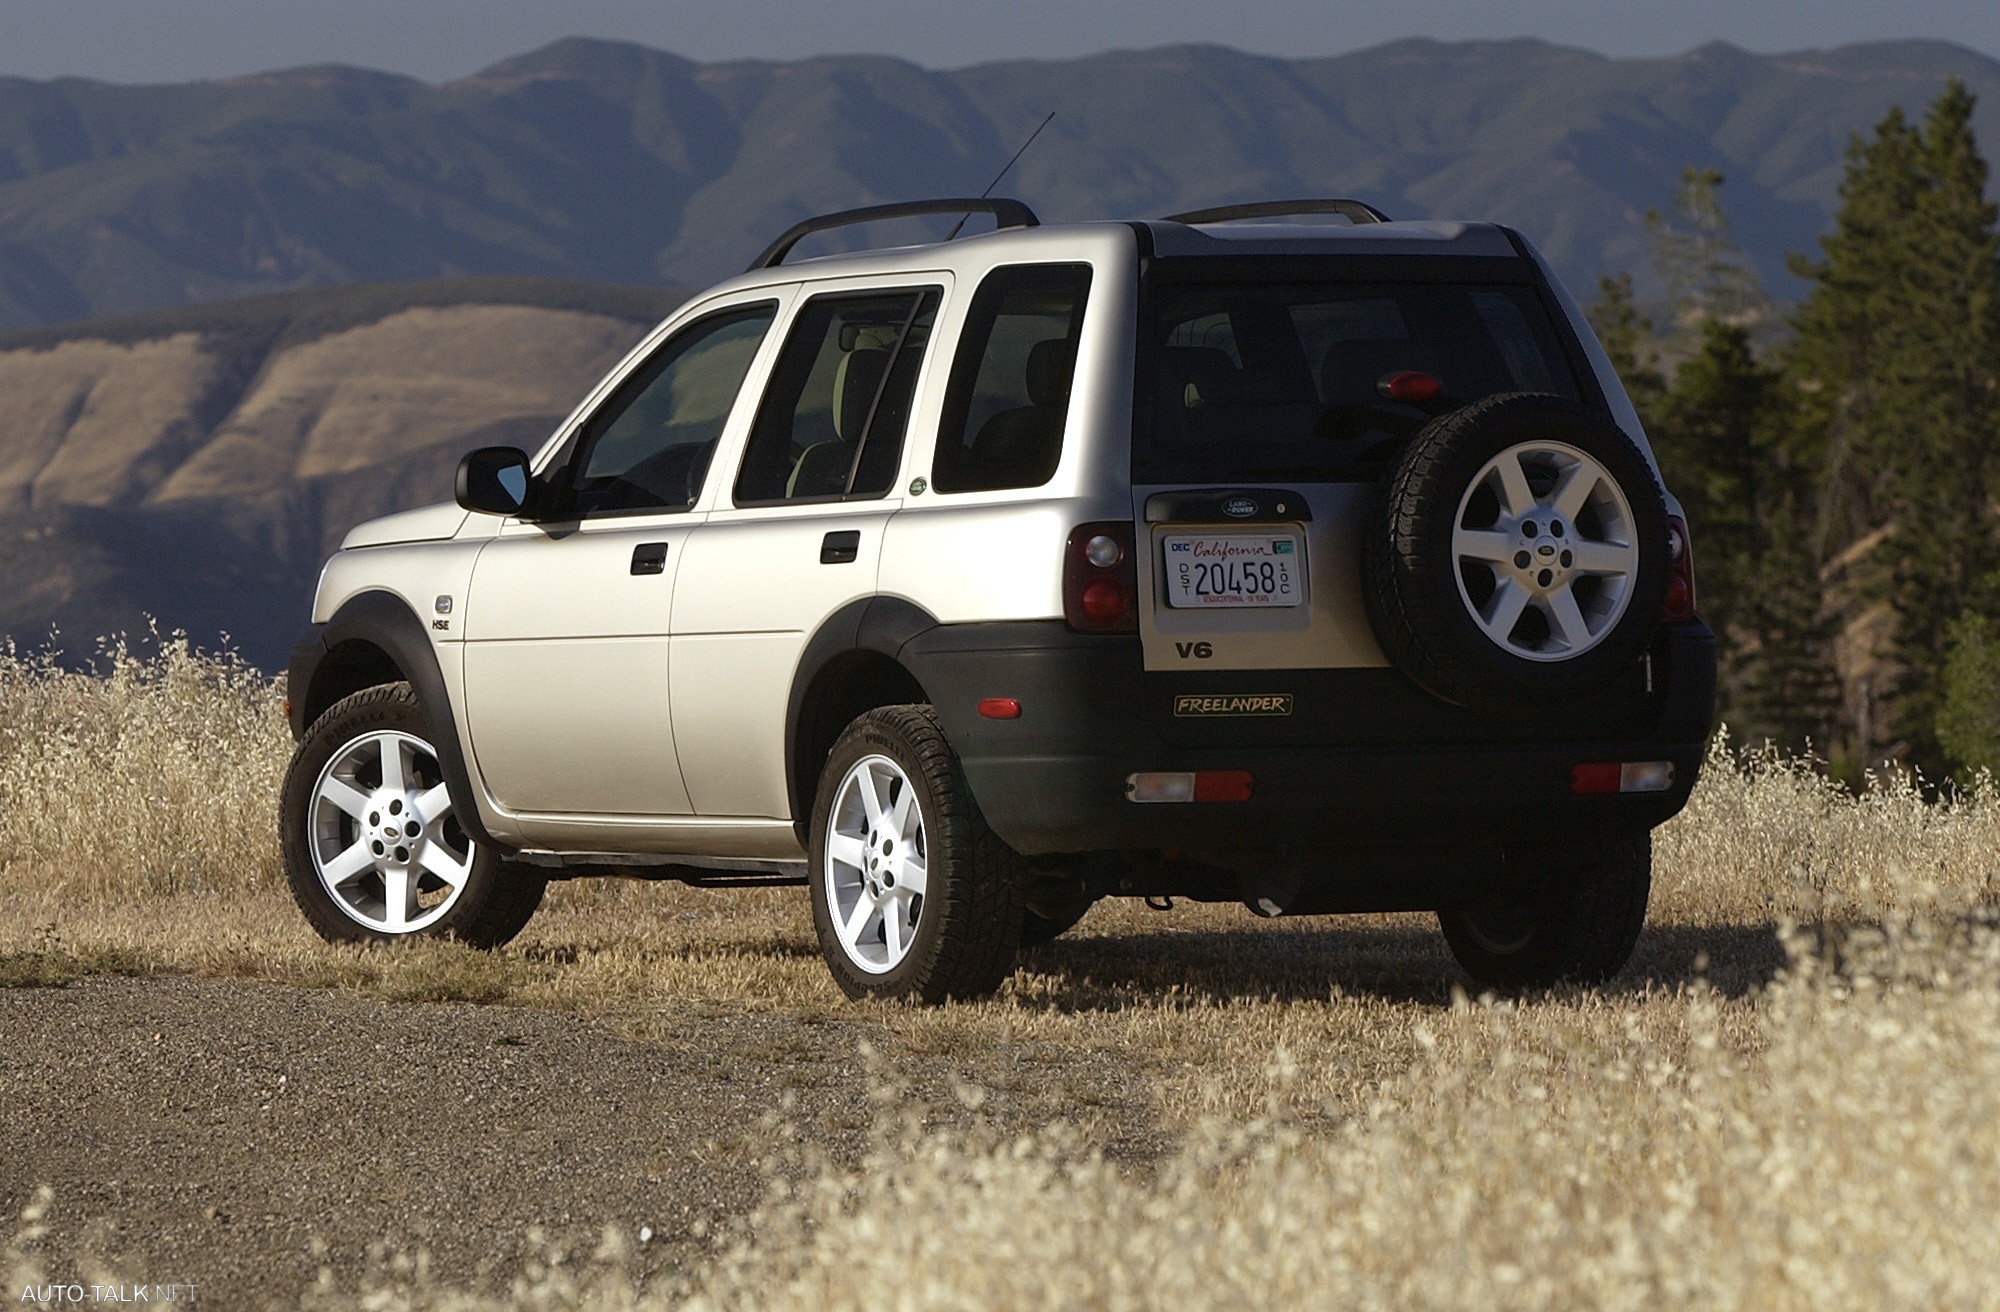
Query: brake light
1410,386
1101,579
1622,777
1680,567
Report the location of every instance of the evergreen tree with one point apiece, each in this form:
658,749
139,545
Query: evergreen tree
1896,366
1627,338
1705,273
1845,324
1720,443
1941,414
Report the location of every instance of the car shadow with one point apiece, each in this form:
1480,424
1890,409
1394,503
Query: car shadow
1314,961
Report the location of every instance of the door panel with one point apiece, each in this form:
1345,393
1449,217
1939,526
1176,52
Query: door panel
801,539
752,590
567,669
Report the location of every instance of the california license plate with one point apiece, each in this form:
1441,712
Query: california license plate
1233,570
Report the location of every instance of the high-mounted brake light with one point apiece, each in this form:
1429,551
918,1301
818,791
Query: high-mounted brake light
1680,570
1410,386
1101,579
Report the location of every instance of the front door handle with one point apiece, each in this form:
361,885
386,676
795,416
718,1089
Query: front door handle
841,548
649,558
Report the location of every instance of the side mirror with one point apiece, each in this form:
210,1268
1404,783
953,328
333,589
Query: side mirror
494,480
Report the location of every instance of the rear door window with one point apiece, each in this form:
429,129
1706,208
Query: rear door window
831,423
1264,382
1004,410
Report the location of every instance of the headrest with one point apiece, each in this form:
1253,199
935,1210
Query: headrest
1351,368
855,383
1051,366
821,471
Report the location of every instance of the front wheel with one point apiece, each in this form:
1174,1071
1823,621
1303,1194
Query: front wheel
1577,926
372,849
913,896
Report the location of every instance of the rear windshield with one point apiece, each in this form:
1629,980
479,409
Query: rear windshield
1289,381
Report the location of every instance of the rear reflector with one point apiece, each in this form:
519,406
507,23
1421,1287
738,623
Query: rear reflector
1189,786
1000,708
1629,777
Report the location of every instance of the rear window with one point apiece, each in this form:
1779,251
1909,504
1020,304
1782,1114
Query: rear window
1285,381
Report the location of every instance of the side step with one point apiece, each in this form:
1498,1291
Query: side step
698,871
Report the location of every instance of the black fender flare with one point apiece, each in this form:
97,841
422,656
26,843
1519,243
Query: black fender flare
883,625
385,621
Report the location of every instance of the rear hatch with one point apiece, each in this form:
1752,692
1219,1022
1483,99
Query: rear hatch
1272,395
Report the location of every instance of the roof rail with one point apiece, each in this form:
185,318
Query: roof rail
1354,211
1006,214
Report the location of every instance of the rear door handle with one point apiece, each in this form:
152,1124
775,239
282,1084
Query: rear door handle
842,548
649,558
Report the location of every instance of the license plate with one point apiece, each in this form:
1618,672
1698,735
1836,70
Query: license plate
1233,570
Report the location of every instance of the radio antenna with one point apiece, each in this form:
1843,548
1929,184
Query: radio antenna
1003,172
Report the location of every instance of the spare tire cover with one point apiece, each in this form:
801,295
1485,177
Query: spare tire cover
1518,555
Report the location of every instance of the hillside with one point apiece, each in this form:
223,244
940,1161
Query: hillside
197,465
616,163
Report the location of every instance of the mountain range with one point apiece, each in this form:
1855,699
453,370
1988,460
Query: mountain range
238,317
196,465
617,163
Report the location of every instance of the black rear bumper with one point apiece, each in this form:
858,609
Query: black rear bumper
1365,758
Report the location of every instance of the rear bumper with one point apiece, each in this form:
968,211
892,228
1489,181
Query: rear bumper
1338,772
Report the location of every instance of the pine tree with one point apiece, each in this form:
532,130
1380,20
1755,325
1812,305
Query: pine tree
1843,326
1941,414
1897,374
1719,440
1627,338
1706,275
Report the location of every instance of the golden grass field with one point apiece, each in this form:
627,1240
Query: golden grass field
1792,1100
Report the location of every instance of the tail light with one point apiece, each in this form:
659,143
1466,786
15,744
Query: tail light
1680,570
1101,579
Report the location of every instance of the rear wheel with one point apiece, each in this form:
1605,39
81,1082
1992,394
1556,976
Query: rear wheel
373,850
1578,925
913,896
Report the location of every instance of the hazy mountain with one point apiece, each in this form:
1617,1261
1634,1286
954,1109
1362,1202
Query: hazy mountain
616,163
196,465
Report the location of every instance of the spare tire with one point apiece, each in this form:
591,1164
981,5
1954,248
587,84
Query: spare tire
1519,554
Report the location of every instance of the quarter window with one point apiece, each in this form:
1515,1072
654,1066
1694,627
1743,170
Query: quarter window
648,447
1004,411
831,422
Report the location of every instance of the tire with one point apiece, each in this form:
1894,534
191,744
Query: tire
884,935
1578,927
335,809
1517,594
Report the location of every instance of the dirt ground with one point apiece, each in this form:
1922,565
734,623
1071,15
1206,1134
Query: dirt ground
238,1135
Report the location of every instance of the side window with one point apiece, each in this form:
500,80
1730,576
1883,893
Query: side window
648,447
1009,394
831,422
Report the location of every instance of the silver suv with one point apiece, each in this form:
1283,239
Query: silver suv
1320,566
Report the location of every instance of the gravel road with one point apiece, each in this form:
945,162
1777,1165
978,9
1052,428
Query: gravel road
209,1132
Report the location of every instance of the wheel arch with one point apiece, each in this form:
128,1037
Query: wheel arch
851,665
376,638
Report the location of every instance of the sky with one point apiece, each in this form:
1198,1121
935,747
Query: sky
178,40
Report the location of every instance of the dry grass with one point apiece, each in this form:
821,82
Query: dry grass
1740,1122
